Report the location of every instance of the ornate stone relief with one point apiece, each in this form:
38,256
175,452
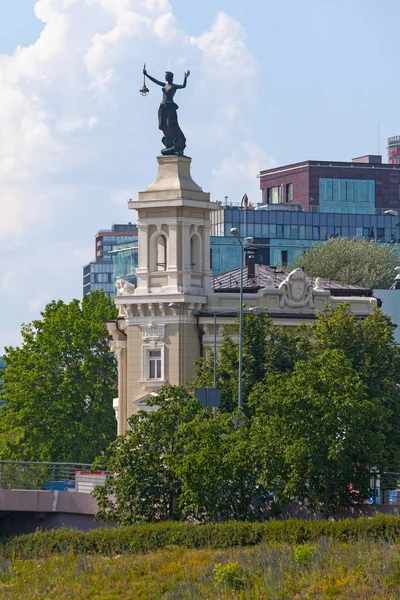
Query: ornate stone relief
153,332
269,281
318,284
297,290
123,311
124,288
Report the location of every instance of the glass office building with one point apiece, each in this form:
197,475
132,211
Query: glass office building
282,231
125,261
99,273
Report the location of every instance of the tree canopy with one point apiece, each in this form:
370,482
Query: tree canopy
59,385
351,261
321,407
179,462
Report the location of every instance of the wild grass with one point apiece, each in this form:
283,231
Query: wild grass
322,569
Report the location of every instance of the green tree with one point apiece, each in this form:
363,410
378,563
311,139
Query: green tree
59,385
143,484
319,432
218,469
349,383
267,348
351,261
179,462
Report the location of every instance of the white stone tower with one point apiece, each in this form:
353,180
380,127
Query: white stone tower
157,344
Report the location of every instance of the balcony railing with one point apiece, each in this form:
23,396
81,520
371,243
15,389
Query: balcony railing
46,476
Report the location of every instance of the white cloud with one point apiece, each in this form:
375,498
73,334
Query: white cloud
7,281
77,124
38,303
75,131
240,168
225,53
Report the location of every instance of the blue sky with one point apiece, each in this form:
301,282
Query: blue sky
271,83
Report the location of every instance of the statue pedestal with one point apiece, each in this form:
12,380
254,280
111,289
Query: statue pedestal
173,181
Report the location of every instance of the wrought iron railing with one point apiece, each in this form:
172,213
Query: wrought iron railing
68,477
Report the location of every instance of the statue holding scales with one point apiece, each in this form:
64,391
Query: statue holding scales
173,138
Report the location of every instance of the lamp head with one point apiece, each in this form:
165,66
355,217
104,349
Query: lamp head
174,305
248,241
256,309
235,232
391,213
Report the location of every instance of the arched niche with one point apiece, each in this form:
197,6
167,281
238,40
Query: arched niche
158,251
196,254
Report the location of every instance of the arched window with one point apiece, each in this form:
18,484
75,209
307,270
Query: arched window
161,256
196,263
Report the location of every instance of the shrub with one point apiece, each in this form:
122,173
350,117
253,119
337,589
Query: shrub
303,554
143,538
229,575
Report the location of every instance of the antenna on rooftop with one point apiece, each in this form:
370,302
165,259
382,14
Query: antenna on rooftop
379,139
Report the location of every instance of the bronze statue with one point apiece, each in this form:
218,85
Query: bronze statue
173,138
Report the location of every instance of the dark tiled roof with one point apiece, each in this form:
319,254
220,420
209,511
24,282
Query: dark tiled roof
230,282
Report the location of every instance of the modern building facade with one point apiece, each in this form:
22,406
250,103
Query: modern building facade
363,186
99,273
281,231
310,202
394,150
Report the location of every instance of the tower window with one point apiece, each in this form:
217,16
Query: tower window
161,263
195,254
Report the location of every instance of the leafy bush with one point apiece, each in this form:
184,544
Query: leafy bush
143,538
230,575
303,554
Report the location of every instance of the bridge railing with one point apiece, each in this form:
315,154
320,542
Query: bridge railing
67,477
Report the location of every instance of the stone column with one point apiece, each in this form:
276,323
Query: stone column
143,258
121,354
185,257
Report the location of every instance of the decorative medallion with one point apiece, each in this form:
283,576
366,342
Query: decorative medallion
297,290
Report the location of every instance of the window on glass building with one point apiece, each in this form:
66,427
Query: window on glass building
355,196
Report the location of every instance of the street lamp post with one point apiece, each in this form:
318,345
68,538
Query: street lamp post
247,242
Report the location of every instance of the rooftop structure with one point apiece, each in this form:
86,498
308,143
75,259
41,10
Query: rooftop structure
363,186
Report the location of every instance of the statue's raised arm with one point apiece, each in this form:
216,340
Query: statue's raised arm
173,138
180,87
145,73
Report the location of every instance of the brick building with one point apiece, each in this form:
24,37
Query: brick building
363,186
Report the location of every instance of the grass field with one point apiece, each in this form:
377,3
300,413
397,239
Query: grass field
325,569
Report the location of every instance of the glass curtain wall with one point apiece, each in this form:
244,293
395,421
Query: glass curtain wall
351,196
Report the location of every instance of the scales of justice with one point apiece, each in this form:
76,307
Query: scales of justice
173,138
